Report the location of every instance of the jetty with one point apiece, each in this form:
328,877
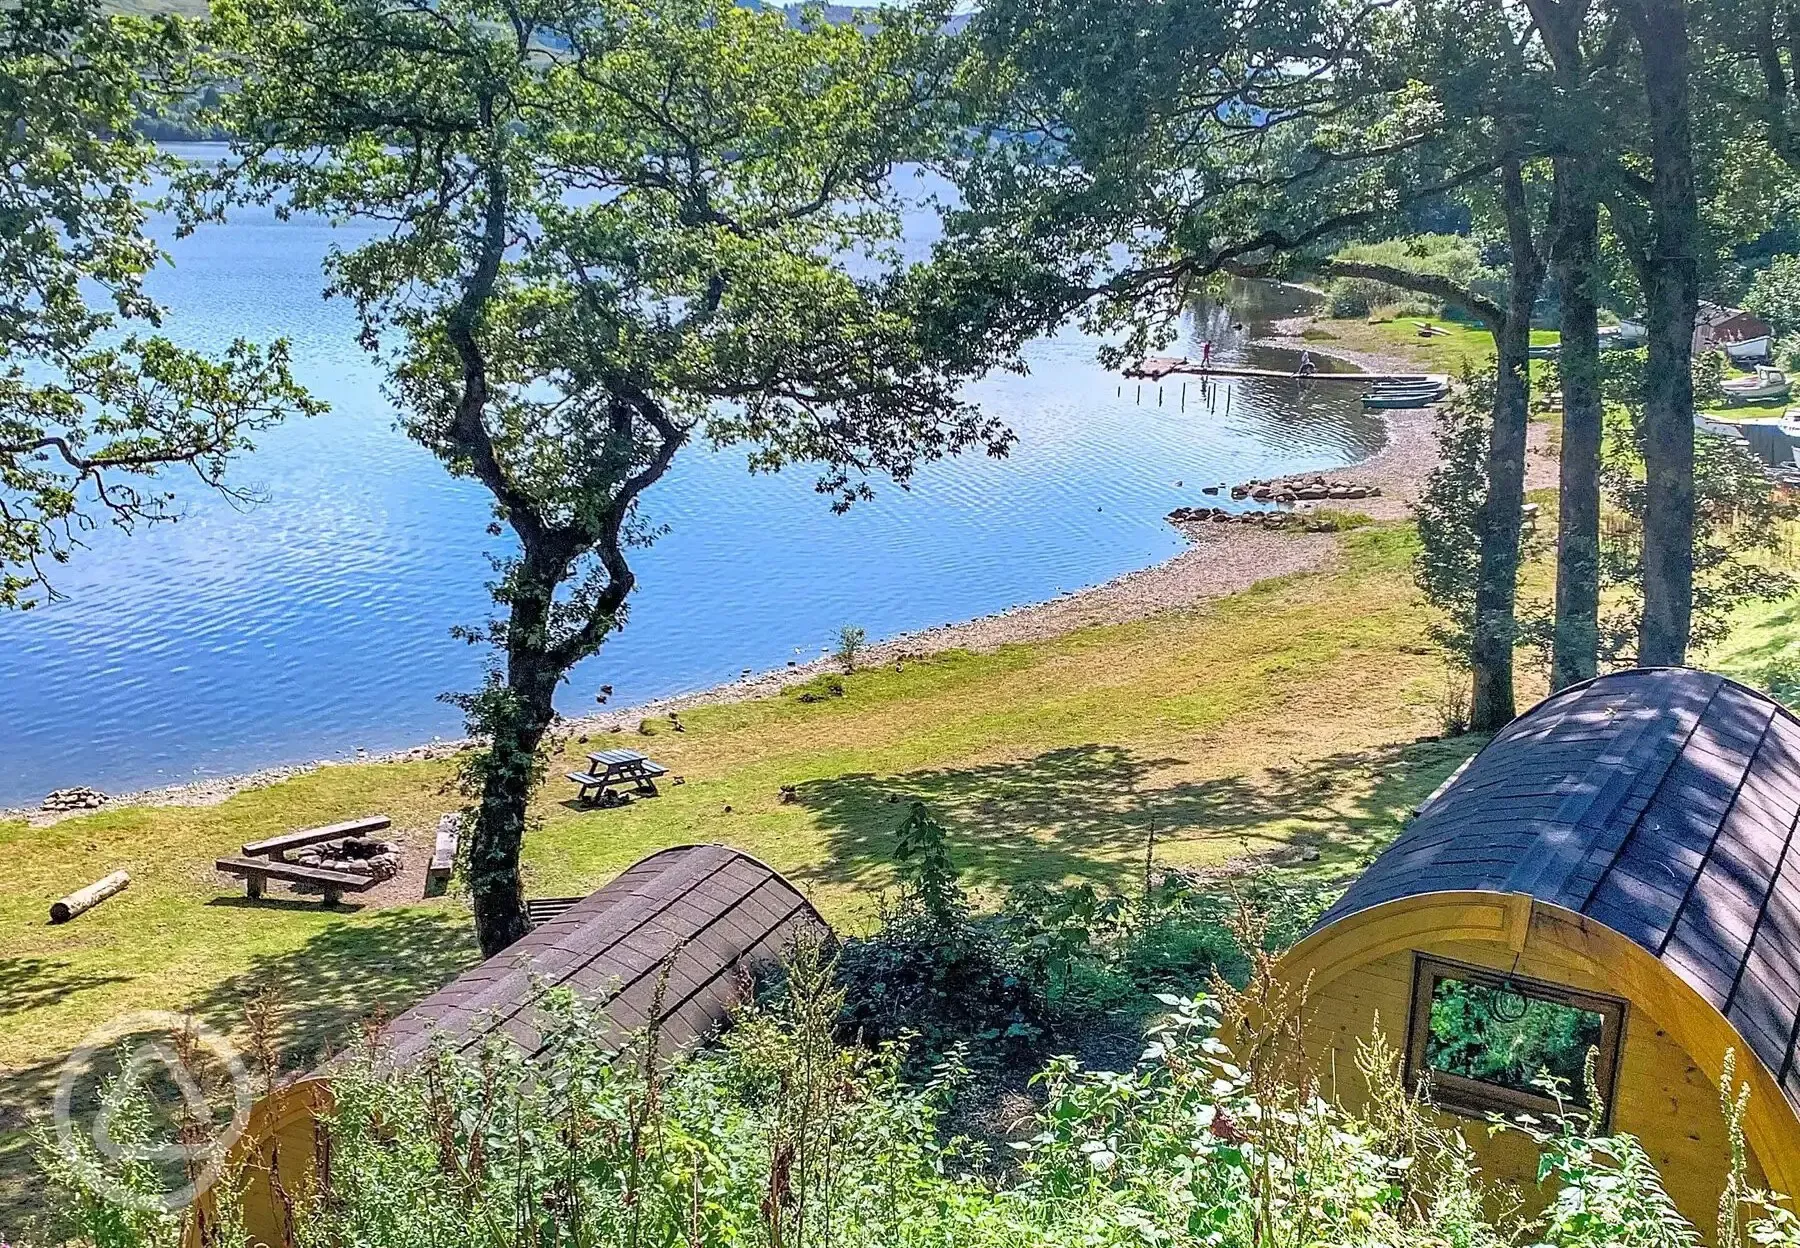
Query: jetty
1156,367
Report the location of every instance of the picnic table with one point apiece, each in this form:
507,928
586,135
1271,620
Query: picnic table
257,872
263,861
610,769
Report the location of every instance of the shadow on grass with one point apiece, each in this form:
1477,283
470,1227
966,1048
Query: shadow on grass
26,983
1779,630
345,975
298,902
1086,811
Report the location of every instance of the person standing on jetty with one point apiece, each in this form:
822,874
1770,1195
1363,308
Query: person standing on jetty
1206,355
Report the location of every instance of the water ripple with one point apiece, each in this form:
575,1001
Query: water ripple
319,621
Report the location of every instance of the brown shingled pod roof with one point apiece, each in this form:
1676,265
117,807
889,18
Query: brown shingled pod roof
725,911
1661,802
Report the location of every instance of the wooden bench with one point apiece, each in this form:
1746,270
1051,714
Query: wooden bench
257,872
610,769
443,856
278,846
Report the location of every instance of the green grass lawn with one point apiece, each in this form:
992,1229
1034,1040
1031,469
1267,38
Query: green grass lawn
1750,411
1462,346
1287,715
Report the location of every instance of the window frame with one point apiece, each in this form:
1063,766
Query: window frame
1476,1097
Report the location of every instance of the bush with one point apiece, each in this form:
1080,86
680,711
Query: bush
781,1135
1443,255
1448,563
1774,294
1348,297
935,974
821,689
849,644
1053,963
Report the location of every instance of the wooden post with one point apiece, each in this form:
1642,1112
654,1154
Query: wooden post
253,886
83,900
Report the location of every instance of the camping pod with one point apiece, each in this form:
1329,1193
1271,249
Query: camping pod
672,941
1615,873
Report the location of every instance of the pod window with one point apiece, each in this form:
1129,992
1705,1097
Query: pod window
1487,1040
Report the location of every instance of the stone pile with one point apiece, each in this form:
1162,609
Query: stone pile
1302,489
78,798
354,854
1299,521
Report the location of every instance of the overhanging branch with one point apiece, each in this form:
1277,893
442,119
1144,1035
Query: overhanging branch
1433,284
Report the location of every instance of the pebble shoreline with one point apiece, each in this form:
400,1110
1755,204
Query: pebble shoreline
1221,559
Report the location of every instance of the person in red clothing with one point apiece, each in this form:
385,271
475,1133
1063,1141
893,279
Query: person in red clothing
1206,354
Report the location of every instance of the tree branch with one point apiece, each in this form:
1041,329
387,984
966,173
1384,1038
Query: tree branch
1433,284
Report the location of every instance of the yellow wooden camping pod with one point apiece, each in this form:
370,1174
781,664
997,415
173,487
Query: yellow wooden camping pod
1616,872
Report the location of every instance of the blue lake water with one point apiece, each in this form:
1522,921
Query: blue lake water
319,621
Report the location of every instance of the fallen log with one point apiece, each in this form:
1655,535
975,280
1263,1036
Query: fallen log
85,899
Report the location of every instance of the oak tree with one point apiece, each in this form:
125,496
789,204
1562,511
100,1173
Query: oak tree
613,229
96,408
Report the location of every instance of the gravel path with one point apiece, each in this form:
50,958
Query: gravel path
1221,560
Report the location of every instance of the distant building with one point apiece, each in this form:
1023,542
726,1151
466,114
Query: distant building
1731,330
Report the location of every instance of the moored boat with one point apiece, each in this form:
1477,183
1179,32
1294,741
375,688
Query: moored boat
1420,397
1749,350
1762,386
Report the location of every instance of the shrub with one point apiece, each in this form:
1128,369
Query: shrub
1448,563
849,644
1444,255
934,973
821,688
781,1135
1054,962
1347,297
1774,294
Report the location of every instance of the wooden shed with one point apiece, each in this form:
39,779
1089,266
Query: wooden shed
1617,871
703,915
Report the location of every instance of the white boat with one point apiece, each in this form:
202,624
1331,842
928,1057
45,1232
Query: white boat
1749,349
1718,428
1629,333
1760,387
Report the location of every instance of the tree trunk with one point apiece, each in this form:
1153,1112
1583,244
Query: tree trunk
1672,297
1576,642
518,717
1501,515
1496,590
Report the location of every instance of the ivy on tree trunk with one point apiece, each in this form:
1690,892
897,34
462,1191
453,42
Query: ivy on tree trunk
1493,623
